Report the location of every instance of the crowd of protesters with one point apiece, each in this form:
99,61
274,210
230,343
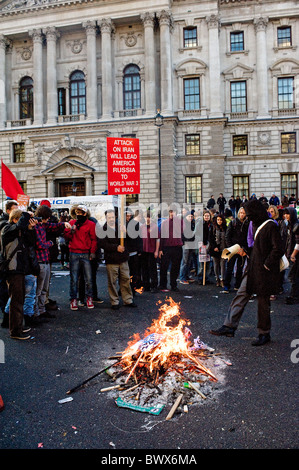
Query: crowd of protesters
141,251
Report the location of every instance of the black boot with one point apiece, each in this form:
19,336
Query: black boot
261,340
224,331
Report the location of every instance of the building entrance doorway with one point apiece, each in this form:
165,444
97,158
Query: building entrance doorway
71,188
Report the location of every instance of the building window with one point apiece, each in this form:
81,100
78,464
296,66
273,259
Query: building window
286,93
191,94
238,97
192,144
284,37
237,41
61,102
190,37
18,151
288,142
241,186
193,189
132,88
26,98
132,199
77,93
289,184
240,145
23,185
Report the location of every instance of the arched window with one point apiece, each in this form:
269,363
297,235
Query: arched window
26,98
131,89
77,93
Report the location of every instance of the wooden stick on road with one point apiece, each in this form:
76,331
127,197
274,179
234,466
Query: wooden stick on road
90,378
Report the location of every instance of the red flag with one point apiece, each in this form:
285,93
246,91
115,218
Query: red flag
9,183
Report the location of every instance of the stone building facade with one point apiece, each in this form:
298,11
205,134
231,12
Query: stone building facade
223,74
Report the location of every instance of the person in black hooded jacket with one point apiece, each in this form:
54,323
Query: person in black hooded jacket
4,220
261,276
18,233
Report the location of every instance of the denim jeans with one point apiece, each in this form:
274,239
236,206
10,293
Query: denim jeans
77,260
30,294
186,263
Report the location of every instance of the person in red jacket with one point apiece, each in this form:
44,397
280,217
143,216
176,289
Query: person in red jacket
82,246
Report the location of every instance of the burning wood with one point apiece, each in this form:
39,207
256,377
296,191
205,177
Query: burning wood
165,343
159,363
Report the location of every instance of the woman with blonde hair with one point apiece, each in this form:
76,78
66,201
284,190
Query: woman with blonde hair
273,211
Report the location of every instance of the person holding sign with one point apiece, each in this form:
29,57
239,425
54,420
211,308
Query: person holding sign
116,260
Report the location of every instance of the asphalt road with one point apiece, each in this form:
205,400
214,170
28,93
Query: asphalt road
256,406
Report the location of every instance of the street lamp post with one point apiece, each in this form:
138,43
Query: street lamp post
159,123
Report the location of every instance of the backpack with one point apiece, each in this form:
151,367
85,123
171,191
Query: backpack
4,263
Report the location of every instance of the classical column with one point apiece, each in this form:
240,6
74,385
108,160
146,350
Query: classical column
261,68
88,183
150,60
38,97
52,106
92,101
165,21
50,185
2,81
107,80
214,66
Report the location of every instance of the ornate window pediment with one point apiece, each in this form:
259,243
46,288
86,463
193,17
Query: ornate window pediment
191,67
238,72
285,67
68,166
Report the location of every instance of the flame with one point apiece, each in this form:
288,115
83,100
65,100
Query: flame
163,339
164,343
139,291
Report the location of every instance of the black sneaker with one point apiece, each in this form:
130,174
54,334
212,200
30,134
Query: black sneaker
225,290
115,307
224,331
261,340
132,305
22,336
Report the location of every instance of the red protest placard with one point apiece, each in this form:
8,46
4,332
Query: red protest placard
123,165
